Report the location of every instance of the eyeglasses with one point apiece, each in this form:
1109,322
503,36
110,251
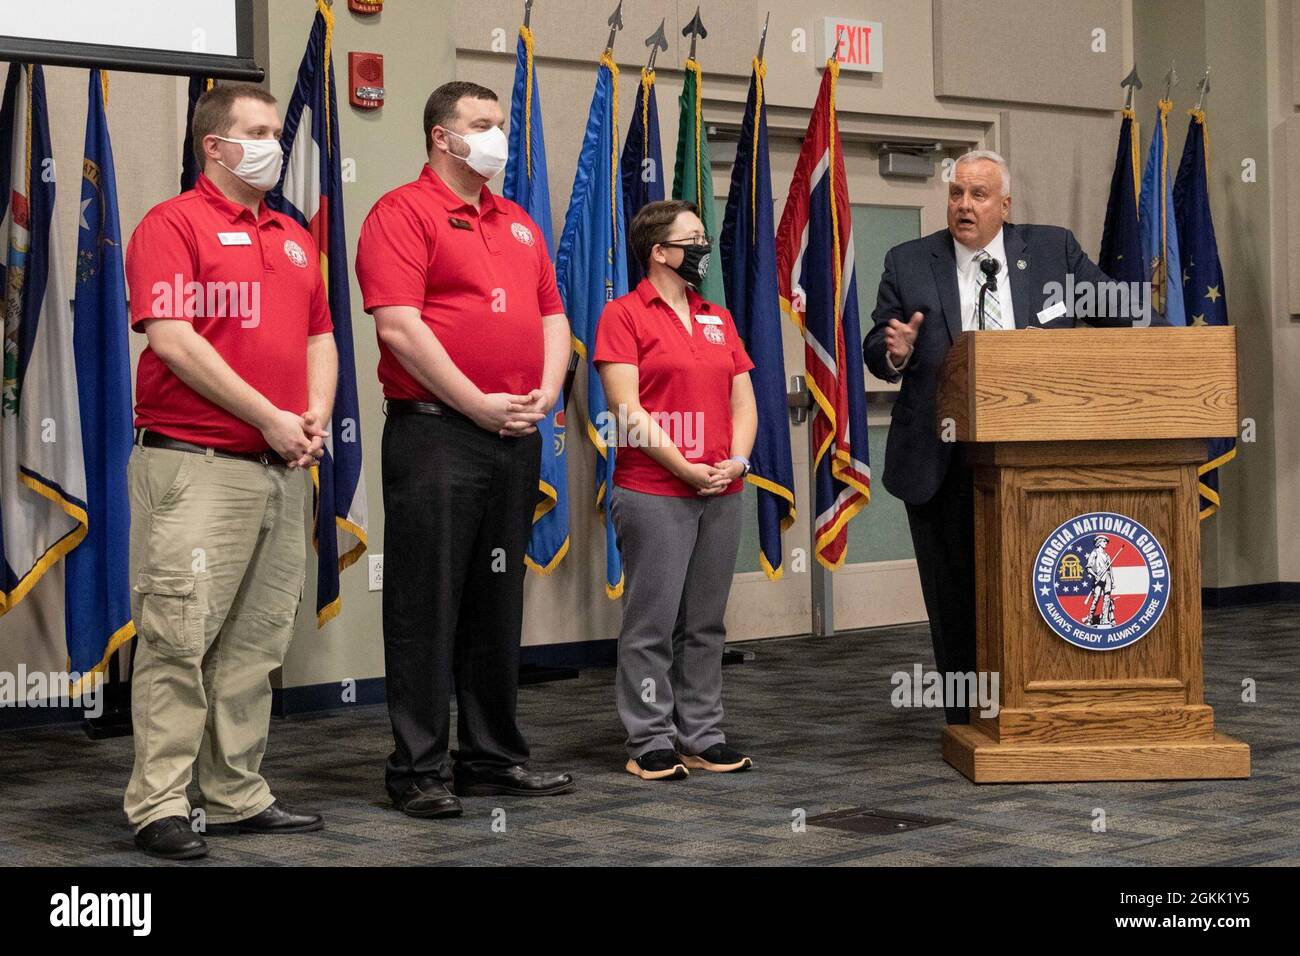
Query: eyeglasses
696,240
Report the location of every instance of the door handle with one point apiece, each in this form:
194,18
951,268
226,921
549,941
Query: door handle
798,399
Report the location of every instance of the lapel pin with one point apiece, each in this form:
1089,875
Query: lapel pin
1021,264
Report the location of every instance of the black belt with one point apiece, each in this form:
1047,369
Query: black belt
151,439
407,406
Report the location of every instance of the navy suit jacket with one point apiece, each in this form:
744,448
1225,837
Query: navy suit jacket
921,276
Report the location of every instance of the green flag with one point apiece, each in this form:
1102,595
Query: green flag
692,175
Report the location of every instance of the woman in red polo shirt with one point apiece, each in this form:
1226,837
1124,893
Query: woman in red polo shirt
677,380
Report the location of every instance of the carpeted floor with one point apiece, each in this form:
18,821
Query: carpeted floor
816,716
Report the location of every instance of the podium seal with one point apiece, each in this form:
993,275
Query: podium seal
1101,581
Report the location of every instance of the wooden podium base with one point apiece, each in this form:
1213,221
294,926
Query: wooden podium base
1078,459
983,760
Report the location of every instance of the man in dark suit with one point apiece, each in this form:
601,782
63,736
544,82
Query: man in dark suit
935,283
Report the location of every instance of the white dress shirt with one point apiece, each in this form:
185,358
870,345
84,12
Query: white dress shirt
969,279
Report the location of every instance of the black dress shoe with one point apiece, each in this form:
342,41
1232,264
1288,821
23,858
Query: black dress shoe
277,818
516,781
427,798
171,839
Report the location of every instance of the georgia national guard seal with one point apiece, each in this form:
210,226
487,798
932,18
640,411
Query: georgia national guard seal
1101,581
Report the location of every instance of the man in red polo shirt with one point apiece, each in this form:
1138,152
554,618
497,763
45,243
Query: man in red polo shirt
473,346
232,392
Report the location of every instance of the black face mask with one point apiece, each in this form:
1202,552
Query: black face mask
695,262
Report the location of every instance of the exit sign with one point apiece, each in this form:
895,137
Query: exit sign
856,44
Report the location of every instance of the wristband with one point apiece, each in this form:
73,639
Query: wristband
744,463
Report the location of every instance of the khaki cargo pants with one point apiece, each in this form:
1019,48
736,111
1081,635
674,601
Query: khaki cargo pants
218,558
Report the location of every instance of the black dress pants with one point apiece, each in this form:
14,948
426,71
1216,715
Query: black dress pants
458,504
943,537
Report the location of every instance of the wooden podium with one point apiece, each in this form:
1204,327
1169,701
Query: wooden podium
1075,422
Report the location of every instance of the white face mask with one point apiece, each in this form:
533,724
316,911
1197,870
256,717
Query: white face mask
488,151
260,167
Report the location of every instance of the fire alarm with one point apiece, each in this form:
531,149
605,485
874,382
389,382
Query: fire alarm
366,80
366,7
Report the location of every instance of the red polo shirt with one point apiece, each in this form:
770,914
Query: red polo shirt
685,378
481,278
250,285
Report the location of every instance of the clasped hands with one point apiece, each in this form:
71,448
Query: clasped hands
298,439
512,416
708,480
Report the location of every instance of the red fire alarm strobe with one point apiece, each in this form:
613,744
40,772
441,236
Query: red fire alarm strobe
366,7
366,80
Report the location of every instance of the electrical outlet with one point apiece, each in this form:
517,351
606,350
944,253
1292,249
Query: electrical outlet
376,569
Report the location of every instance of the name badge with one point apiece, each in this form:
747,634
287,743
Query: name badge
709,319
235,238
1052,312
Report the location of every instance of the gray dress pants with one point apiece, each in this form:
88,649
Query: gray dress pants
679,555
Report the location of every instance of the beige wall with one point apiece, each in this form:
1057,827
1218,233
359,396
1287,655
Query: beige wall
1244,43
1054,54
1282,30
1060,154
387,146
1291,118
1059,139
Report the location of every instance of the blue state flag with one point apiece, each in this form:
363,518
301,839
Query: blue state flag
1121,238
1204,291
591,271
312,193
97,588
748,246
526,184
642,167
1160,228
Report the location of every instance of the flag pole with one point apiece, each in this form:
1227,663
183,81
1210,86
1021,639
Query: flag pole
615,22
656,42
695,30
1202,90
1130,83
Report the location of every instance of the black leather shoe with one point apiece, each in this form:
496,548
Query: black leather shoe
516,781
428,798
277,818
171,839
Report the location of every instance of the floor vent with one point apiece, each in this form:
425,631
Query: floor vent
863,820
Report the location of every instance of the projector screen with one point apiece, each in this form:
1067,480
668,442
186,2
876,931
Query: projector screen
197,37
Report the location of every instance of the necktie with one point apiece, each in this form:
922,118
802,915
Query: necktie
992,307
